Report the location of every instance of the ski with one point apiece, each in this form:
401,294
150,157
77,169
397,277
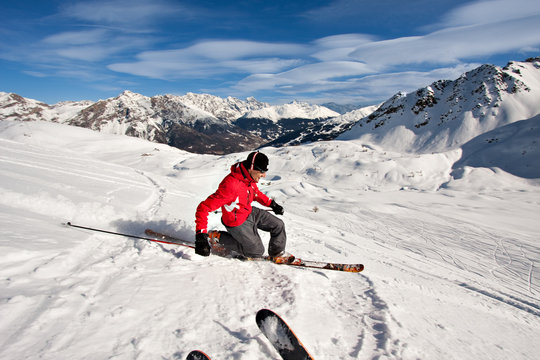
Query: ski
281,336
353,268
197,355
169,239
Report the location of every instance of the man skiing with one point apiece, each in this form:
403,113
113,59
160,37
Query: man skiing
234,195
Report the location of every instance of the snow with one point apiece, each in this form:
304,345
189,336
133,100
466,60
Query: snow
449,241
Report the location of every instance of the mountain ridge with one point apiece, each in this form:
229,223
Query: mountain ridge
440,116
200,123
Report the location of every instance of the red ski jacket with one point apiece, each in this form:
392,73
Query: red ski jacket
234,195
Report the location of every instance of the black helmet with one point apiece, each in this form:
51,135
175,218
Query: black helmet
256,161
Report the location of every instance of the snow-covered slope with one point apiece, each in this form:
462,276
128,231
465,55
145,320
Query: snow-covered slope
514,148
451,263
447,114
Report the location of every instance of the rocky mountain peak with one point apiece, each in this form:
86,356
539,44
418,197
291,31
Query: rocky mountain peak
446,114
226,109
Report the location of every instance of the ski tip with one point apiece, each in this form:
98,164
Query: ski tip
356,268
352,268
263,314
197,355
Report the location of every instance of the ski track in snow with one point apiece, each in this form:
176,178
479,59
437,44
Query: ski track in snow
437,284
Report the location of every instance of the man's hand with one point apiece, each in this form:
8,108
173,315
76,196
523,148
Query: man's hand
278,209
202,247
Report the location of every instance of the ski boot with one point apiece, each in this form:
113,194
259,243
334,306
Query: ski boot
217,248
283,258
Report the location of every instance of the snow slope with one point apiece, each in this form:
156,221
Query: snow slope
451,262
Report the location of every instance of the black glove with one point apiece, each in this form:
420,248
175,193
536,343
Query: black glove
202,247
278,209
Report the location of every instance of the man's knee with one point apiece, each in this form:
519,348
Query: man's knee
278,225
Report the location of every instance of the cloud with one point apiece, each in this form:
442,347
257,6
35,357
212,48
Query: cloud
132,13
213,58
491,11
84,53
234,49
339,47
453,44
77,37
88,46
314,75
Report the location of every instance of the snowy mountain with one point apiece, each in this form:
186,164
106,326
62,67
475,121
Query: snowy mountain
294,110
447,114
450,249
280,121
228,109
165,119
128,114
324,130
200,123
16,107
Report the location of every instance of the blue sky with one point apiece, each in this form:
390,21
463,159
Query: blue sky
346,51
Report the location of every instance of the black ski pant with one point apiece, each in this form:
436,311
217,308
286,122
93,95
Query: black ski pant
245,238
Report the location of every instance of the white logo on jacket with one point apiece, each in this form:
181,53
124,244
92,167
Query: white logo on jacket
233,205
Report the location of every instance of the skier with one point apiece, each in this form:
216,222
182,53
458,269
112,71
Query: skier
234,195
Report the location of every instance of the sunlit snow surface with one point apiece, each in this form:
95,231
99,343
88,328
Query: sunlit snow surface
451,252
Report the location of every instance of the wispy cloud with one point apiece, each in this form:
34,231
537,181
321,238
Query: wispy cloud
453,44
335,9
215,57
105,30
491,11
92,36
126,13
315,76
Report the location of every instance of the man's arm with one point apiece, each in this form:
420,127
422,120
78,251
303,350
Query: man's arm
222,196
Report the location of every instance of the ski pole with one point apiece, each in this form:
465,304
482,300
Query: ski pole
126,235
